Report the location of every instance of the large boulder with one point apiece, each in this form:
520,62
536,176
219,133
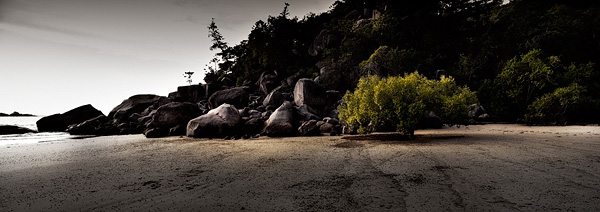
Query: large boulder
267,82
89,127
136,104
308,92
10,129
325,39
60,122
219,122
275,98
237,97
309,128
175,113
281,121
169,119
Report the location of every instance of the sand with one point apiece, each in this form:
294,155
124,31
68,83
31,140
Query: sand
475,168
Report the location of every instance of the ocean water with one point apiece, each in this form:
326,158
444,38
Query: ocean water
28,122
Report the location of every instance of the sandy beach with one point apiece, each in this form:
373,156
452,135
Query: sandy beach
474,168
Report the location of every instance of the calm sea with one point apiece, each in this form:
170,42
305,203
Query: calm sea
28,122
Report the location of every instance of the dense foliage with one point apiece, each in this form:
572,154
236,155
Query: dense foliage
516,55
403,101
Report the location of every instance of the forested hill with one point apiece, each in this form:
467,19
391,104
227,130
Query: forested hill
529,60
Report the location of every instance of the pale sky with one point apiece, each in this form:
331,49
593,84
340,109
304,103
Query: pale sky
56,55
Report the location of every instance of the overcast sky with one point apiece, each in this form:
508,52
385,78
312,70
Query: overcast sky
56,55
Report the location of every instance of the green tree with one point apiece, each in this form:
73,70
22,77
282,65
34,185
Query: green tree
403,101
556,107
213,72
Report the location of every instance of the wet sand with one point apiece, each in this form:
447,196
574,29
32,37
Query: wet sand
475,168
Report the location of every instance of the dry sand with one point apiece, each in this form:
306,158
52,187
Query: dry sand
475,168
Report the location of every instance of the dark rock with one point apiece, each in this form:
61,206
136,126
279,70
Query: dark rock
325,39
135,118
254,114
252,126
178,130
60,122
333,121
129,129
156,133
291,80
238,97
288,96
308,92
15,114
309,128
275,98
267,82
10,129
476,110
281,121
189,93
174,114
219,122
256,101
326,127
336,130
136,104
308,113
89,127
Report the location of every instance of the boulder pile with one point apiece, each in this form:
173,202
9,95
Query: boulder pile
272,107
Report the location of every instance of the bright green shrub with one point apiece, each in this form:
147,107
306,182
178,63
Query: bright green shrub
403,101
555,107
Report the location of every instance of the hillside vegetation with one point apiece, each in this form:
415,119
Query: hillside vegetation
533,61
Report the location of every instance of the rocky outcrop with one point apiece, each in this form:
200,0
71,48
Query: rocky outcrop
60,122
281,121
238,97
10,129
136,104
92,126
308,92
190,93
217,123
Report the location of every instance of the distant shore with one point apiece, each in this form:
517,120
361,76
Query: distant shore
476,168
15,114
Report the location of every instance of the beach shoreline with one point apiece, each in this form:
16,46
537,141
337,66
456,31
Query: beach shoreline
501,167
